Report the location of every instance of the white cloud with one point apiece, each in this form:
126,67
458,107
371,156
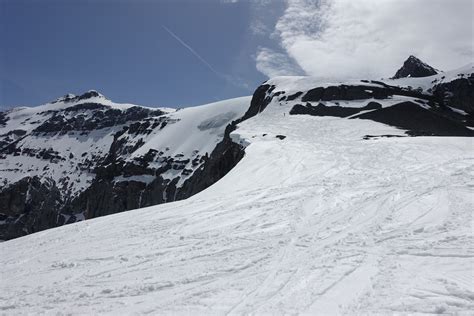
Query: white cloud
372,38
273,64
257,27
263,16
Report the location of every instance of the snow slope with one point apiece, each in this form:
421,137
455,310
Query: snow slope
322,222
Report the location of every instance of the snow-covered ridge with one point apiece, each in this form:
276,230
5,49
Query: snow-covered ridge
427,83
89,146
91,96
23,128
434,105
293,84
27,118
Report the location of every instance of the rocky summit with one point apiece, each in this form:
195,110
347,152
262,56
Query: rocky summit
414,67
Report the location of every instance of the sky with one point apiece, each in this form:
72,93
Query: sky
180,53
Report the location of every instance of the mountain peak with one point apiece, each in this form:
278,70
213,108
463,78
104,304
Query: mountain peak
414,67
66,98
74,98
90,94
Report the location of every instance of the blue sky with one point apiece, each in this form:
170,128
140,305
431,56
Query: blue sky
181,53
131,51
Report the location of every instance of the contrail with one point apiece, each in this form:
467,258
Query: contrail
193,52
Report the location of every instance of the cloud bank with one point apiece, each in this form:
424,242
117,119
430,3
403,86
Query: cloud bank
272,64
369,38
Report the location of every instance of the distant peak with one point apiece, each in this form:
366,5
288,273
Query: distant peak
66,98
73,98
90,94
414,67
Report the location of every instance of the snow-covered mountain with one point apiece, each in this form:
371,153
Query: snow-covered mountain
438,105
85,156
333,209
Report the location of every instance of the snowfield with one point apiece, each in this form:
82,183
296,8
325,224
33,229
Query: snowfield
321,222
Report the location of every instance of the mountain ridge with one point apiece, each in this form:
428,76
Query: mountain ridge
88,156
89,151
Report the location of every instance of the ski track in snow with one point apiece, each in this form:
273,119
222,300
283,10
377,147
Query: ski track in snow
320,223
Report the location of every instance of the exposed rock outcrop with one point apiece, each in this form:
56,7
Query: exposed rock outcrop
260,100
415,68
28,206
377,90
338,111
458,93
418,121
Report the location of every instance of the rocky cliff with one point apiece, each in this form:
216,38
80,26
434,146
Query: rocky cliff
81,157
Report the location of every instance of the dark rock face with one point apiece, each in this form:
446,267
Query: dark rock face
72,98
458,93
10,137
74,119
338,111
106,197
294,96
413,67
357,92
222,159
260,99
89,94
28,206
3,119
367,137
417,120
